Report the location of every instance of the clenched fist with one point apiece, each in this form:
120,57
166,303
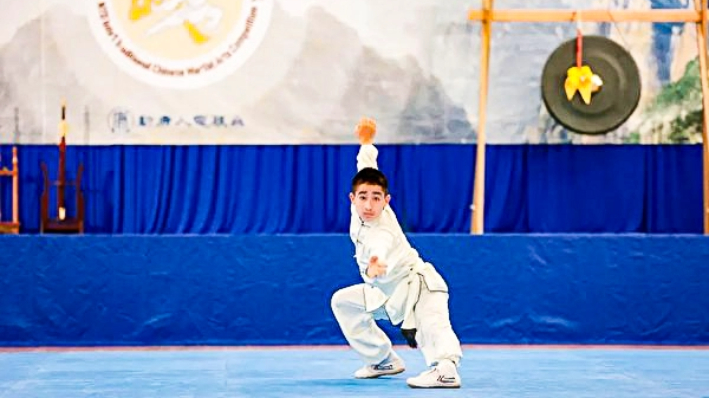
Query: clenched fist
366,130
376,267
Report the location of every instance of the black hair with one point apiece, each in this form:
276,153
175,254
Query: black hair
371,176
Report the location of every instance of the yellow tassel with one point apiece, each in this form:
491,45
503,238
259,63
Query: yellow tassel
582,80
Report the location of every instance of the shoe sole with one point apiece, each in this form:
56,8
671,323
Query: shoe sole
392,373
439,386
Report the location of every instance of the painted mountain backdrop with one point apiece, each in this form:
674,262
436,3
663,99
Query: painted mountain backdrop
318,65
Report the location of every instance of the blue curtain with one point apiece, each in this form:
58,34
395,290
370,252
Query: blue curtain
303,189
589,189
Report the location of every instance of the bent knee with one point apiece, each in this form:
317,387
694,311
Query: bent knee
345,297
339,299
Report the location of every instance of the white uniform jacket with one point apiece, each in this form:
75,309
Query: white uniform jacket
398,290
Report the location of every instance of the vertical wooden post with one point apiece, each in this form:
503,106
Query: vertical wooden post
701,6
477,220
15,187
12,226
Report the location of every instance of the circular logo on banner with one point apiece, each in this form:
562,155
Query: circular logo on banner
180,43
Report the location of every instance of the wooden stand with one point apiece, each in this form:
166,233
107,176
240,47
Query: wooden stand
487,15
13,227
62,223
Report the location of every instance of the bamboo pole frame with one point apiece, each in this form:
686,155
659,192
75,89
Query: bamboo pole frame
588,15
487,15
701,7
477,219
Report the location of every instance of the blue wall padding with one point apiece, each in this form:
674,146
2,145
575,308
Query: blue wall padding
271,289
214,189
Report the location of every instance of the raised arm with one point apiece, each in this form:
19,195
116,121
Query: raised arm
365,131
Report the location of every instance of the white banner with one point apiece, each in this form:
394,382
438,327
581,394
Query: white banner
304,71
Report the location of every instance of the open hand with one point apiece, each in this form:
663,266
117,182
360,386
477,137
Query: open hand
376,267
366,130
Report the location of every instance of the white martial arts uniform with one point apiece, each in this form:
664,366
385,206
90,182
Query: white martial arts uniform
411,292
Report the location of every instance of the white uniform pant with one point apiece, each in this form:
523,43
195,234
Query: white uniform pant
434,333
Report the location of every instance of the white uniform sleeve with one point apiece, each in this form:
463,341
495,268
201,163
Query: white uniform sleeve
365,278
381,244
367,157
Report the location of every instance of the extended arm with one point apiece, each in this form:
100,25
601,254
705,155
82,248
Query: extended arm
365,131
367,157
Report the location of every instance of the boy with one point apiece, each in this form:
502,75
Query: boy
398,285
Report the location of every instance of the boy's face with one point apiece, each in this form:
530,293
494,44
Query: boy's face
369,200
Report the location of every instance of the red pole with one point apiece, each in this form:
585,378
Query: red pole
62,165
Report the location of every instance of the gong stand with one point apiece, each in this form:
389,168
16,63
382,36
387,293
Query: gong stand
487,15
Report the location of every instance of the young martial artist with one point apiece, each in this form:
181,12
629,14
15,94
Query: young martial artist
398,285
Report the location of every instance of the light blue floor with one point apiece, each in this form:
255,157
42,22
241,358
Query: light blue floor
325,373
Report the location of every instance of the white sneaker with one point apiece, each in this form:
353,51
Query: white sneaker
435,378
390,366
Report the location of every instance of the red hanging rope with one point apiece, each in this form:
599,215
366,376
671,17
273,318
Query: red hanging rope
579,39
579,47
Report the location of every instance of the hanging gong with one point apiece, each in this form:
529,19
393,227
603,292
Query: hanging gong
611,103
